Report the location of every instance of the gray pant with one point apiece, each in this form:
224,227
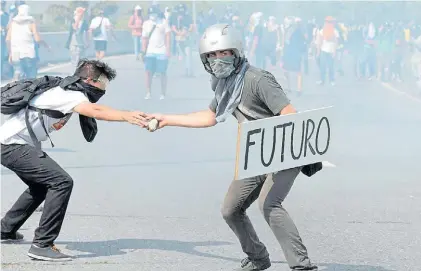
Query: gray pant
271,190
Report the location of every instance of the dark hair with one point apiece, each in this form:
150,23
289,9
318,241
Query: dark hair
93,69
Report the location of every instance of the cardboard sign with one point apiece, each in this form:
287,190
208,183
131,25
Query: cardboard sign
282,142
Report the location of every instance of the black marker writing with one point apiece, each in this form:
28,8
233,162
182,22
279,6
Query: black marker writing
273,148
307,140
283,126
328,136
292,142
248,144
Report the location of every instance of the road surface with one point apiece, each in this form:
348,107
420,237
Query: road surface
151,201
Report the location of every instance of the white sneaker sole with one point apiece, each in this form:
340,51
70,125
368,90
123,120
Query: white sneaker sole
42,258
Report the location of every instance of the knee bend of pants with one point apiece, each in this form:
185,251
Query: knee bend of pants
63,182
229,212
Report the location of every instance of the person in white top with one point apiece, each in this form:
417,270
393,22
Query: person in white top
327,42
99,28
21,37
46,180
156,48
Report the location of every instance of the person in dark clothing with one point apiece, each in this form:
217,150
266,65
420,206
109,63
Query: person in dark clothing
21,152
294,49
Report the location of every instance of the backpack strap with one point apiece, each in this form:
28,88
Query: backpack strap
51,113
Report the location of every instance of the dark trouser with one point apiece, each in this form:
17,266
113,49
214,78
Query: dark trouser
326,66
368,61
47,181
271,190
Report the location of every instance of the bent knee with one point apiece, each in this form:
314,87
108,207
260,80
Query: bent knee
64,182
229,213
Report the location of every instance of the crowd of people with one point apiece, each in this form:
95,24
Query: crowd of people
384,51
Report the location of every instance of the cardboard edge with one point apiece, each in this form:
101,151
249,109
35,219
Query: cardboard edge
237,155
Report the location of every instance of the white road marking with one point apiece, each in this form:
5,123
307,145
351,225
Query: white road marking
411,97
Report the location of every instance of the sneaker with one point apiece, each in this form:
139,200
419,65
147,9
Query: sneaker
249,265
148,96
332,83
50,253
162,97
11,236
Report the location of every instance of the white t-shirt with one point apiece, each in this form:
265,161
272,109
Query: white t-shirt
326,45
157,44
22,41
14,130
104,27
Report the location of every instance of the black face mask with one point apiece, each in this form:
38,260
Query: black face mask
87,124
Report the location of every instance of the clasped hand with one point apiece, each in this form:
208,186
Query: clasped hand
142,119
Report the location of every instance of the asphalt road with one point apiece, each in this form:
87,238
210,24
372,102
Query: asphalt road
151,201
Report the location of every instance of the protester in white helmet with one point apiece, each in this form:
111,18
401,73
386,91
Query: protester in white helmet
247,93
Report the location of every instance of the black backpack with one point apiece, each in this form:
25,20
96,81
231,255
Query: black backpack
16,96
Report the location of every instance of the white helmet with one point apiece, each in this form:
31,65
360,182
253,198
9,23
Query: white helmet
220,37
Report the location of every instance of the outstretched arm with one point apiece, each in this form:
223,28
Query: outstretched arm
201,119
102,112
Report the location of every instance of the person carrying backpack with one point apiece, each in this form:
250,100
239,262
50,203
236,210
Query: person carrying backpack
36,108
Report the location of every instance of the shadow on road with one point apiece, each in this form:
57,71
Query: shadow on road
116,247
350,267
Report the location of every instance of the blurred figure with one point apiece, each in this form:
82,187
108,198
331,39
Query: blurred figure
327,42
21,36
271,41
294,49
77,41
385,47
210,18
368,59
238,25
135,24
355,45
340,50
4,55
156,47
99,28
182,26
167,13
256,48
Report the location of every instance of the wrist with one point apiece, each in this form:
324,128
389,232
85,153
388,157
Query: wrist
124,115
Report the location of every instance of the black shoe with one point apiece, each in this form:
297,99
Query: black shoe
50,253
11,236
249,265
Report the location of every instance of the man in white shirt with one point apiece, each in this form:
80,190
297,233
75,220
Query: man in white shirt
156,43
99,28
21,152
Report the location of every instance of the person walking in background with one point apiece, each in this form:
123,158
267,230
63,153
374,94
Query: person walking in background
99,28
135,24
78,36
5,17
294,49
182,26
368,60
21,37
156,48
327,43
